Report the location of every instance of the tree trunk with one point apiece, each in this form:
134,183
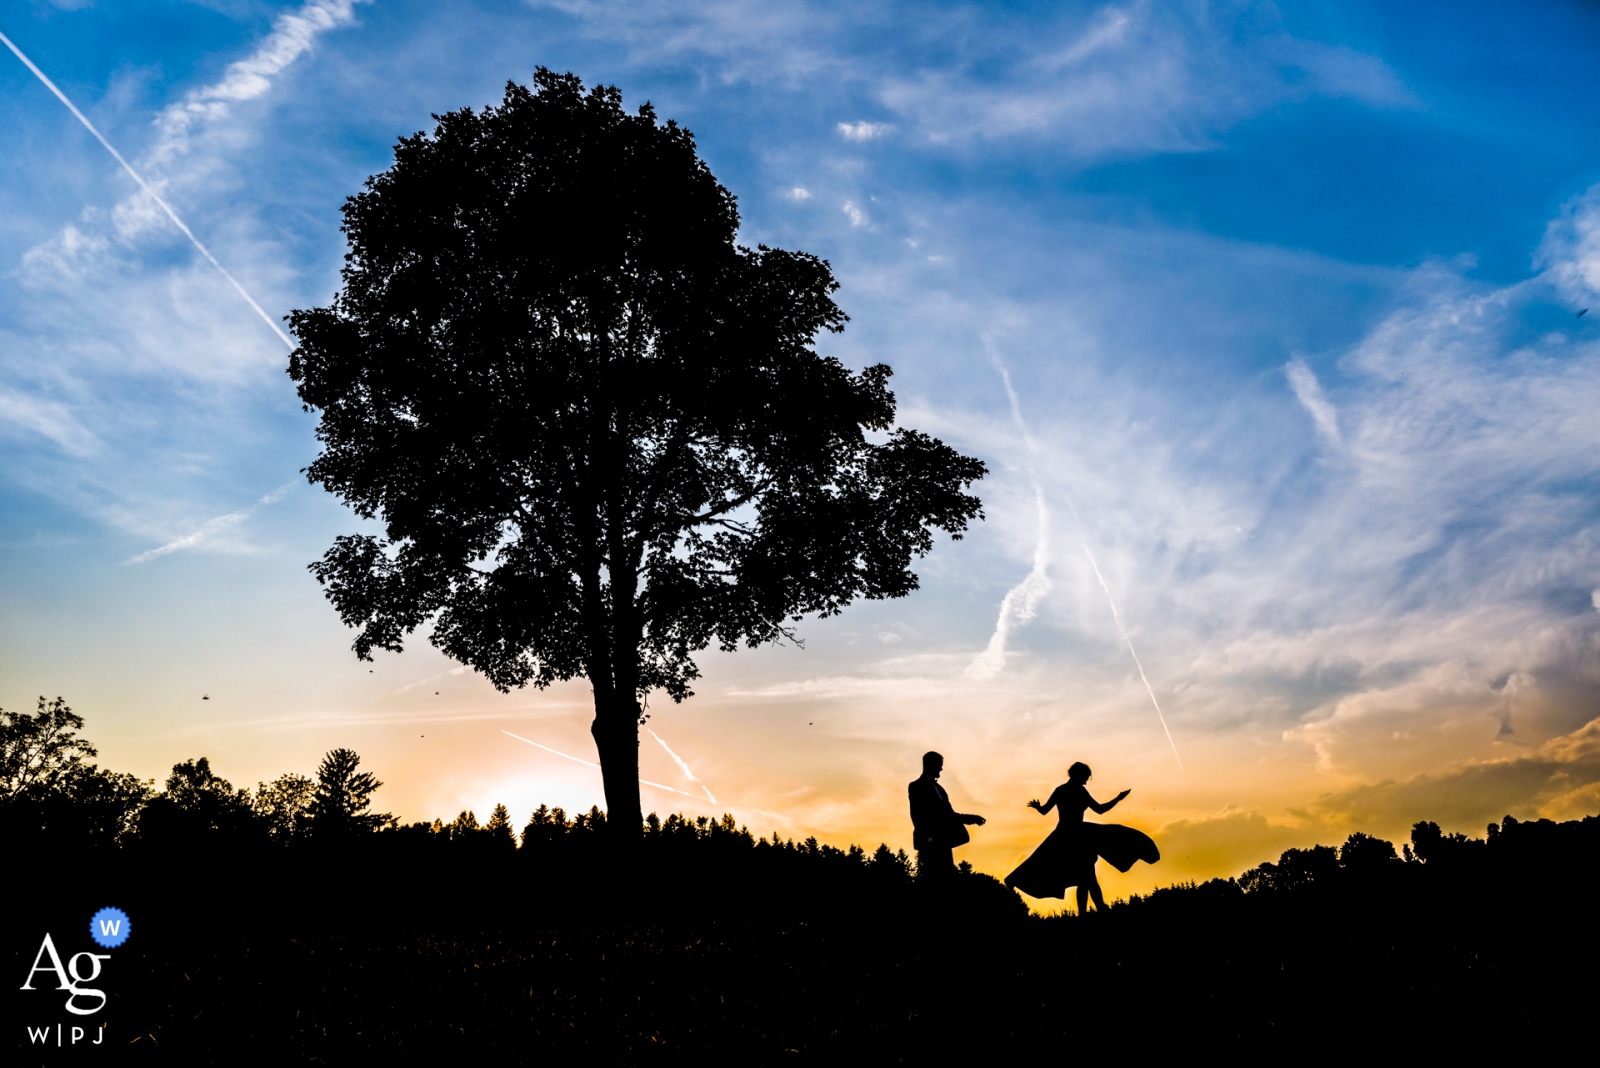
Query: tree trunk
616,738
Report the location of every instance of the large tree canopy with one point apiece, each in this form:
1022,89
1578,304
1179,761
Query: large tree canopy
594,427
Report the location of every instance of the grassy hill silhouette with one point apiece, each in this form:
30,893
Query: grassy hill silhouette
313,934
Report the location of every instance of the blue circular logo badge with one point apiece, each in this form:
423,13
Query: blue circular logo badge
109,928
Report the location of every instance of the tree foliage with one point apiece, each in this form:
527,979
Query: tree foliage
340,804
284,805
594,427
48,788
197,801
42,750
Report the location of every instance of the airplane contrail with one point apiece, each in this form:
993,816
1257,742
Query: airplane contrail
1022,600
683,765
50,85
592,764
1147,688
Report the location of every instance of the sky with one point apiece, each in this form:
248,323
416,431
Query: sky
1265,318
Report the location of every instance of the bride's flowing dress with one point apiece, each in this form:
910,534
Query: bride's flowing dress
1067,857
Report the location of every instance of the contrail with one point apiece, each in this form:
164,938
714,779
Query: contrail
592,764
683,765
210,527
1022,600
1147,689
50,85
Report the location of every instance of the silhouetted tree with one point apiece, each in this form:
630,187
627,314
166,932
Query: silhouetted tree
40,750
284,805
85,805
498,828
48,789
1295,868
343,796
208,801
546,825
890,864
1362,852
595,428
198,804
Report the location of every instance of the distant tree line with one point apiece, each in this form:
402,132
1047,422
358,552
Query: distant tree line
49,789
52,796
1562,856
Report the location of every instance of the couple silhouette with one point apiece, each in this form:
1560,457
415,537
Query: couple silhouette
1066,858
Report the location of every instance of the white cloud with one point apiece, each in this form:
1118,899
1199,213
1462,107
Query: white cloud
799,192
1129,79
1309,392
1117,79
49,419
208,107
1571,249
856,216
863,131
1344,73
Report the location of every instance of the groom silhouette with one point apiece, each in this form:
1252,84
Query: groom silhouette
936,827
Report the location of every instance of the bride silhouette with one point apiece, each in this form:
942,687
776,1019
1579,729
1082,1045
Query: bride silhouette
1067,857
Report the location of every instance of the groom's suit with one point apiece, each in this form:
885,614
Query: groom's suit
936,827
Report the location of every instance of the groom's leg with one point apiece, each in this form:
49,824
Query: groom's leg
934,863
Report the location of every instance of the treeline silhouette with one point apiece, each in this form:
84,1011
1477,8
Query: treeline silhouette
295,921
55,804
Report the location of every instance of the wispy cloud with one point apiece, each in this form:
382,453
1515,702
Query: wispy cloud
114,306
1353,621
1097,80
1309,393
293,34
156,198
863,131
210,529
49,419
169,164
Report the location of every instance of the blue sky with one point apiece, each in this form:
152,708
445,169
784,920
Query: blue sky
1286,297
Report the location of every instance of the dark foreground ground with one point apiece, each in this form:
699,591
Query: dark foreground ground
236,966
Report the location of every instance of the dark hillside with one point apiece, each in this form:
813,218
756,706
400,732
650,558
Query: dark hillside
412,945
292,924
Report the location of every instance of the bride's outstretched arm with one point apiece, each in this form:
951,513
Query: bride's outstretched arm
1109,805
1045,808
